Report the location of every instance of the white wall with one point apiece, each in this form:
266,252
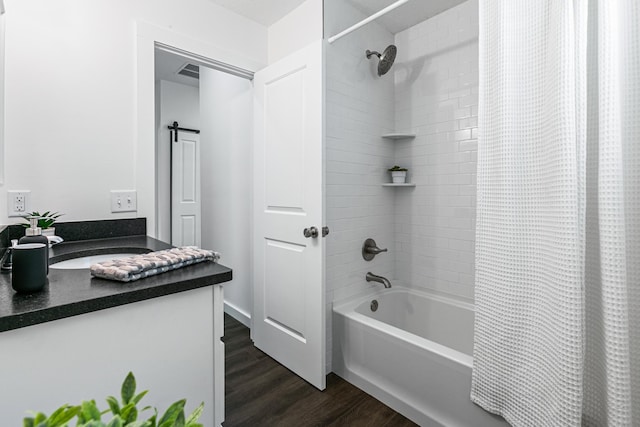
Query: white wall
2,84
179,103
359,109
70,130
436,92
296,30
226,106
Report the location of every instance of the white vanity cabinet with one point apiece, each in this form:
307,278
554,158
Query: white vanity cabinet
171,343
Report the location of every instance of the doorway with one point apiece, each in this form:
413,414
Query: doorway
298,78
203,183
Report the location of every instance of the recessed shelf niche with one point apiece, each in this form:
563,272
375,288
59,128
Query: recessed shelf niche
395,136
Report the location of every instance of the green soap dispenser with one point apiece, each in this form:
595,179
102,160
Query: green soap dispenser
33,234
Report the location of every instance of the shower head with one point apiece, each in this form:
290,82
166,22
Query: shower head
385,59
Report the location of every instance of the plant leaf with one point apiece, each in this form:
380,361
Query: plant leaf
139,424
171,413
63,415
195,415
139,397
113,404
153,418
132,415
90,411
28,422
129,413
39,418
128,388
57,412
179,420
115,422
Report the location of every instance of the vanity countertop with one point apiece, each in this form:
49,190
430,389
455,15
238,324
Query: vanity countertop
73,292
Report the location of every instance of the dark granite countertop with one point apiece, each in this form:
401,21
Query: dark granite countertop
73,292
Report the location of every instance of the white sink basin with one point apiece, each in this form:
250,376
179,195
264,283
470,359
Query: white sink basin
86,261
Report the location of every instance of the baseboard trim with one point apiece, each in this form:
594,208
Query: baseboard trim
238,314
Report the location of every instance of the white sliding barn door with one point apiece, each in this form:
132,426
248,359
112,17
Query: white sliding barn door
185,190
288,311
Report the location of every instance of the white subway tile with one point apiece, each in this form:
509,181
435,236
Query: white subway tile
431,228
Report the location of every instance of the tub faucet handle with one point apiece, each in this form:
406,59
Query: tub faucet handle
370,249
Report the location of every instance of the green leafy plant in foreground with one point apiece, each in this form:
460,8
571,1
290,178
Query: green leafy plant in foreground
124,412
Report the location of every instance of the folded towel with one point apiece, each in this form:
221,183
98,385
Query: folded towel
145,265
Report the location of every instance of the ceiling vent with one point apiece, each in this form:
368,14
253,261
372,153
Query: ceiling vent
190,70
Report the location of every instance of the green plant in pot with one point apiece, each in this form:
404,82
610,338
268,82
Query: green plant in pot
125,412
45,221
398,174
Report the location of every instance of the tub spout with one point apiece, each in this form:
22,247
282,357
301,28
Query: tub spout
375,278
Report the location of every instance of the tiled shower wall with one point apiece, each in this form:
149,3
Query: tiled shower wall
436,96
432,90
359,108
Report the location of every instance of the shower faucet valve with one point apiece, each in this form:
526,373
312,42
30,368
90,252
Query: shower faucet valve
370,249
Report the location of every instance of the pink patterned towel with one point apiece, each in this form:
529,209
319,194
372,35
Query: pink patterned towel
145,265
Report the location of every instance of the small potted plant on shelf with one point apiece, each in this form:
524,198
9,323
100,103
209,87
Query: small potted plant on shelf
398,174
45,221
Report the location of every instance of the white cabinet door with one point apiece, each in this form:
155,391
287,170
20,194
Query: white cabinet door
185,190
288,312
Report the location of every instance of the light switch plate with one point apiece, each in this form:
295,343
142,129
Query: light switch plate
18,202
124,201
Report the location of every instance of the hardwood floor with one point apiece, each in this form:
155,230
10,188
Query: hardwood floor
261,392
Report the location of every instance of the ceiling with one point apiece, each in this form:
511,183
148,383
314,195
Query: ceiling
405,16
167,66
267,12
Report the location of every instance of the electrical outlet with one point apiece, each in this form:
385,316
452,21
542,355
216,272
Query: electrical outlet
124,201
18,202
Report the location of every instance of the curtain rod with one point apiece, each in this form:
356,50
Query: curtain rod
367,20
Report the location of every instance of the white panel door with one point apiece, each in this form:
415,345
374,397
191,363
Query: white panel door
288,312
185,190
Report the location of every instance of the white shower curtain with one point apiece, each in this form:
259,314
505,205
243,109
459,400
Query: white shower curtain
557,332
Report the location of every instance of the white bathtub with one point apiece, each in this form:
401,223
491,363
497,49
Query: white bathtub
413,354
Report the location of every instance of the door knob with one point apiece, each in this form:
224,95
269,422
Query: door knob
310,232
325,231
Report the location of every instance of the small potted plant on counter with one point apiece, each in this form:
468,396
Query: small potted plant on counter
45,221
398,174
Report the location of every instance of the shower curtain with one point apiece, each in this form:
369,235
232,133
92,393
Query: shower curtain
557,332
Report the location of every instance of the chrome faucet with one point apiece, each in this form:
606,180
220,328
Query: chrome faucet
375,278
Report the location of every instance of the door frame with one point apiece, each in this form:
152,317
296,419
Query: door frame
148,38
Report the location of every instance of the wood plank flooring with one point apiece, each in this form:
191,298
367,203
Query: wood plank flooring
261,392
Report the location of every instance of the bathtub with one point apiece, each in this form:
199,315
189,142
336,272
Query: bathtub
413,353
